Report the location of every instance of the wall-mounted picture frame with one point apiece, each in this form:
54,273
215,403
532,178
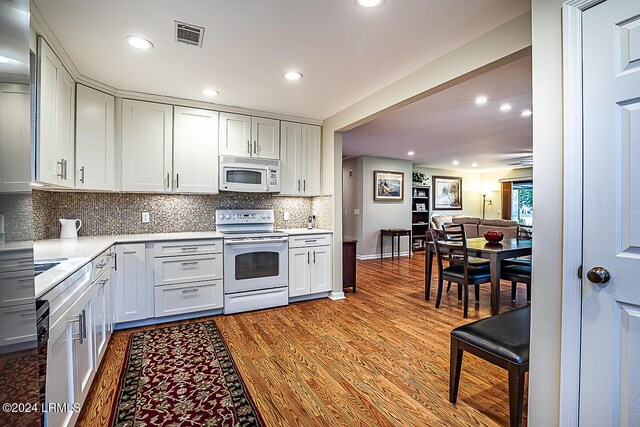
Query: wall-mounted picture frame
447,192
421,207
388,186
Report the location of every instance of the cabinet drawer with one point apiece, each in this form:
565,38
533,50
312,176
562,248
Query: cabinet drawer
184,269
187,247
17,324
309,240
16,288
16,260
187,298
100,264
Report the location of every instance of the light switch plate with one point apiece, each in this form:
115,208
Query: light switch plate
145,217
356,211
286,216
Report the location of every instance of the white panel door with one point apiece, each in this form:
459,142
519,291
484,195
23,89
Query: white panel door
311,159
610,353
195,150
320,269
299,272
291,158
95,143
147,140
235,135
130,284
266,138
65,123
15,152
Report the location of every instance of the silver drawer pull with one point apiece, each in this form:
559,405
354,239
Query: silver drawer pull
29,314
102,282
102,264
193,248
190,291
29,279
311,240
189,262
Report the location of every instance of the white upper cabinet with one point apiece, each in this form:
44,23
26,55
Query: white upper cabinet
55,136
15,152
195,150
300,159
95,143
245,136
147,140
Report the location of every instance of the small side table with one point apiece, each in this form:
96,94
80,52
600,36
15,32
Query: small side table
394,232
349,263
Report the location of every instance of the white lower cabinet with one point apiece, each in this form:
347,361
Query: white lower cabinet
102,319
16,324
188,298
310,266
131,287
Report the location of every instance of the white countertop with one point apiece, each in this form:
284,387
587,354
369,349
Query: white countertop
82,250
302,231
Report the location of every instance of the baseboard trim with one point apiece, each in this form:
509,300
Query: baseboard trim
337,296
309,297
377,256
166,319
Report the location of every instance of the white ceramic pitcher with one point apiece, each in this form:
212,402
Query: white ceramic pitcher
70,228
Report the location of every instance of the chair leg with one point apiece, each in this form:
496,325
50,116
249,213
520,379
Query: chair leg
528,292
454,370
516,394
466,301
459,292
477,289
448,286
514,289
439,295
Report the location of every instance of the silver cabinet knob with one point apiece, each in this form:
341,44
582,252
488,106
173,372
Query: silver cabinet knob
598,275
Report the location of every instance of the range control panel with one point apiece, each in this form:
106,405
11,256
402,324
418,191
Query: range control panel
242,216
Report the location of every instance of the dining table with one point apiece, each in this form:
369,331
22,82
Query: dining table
494,252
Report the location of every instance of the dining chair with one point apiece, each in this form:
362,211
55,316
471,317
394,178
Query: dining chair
459,271
457,232
517,271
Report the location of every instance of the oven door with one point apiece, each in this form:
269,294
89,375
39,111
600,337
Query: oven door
249,178
251,265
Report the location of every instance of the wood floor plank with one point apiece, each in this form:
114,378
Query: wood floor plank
378,358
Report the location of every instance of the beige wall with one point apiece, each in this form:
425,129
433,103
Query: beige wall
352,198
490,182
544,374
471,200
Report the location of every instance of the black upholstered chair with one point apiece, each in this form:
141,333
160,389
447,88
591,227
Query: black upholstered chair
454,232
517,271
454,252
502,340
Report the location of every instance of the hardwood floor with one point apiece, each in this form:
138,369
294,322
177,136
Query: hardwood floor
379,357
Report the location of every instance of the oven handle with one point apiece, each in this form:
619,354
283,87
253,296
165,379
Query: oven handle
243,242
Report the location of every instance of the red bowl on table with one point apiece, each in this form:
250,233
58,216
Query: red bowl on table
494,236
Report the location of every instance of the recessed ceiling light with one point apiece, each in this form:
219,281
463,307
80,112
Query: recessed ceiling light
505,107
411,153
3,60
526,113
370,4
292,75
210,92
139,42
455,163
481,100
474,165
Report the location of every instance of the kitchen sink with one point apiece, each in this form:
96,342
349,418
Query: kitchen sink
42,265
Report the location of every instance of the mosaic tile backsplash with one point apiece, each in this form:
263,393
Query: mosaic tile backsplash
16,209
120,213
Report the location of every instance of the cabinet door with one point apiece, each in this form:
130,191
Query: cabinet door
235,135
291,158
101,318
17,324
85,362
195,150
130,285
95,143
61,378
56,94
15,145
299,272
146,146
320,269
266,138
311,159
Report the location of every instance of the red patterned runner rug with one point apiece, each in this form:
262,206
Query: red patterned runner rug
182,376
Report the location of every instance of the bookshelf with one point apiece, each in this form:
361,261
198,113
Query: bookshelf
420,209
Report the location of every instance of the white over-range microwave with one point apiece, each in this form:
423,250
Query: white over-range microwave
249,175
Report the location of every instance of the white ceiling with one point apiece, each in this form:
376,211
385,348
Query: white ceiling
449,126
345,53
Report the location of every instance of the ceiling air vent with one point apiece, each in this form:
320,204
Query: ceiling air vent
189,34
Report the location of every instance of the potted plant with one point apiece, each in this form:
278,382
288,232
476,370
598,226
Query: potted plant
419,178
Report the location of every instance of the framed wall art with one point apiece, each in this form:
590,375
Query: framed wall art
388,186
447,192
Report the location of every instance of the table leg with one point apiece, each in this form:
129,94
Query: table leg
428,265
494,265
393,245
410,243
381,246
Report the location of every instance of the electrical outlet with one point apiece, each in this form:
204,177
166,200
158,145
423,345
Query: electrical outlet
145,217
286,216
346,211
356,211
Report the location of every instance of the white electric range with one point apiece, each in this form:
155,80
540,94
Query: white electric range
256,260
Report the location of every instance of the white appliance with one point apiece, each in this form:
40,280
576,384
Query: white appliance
249,175
256,260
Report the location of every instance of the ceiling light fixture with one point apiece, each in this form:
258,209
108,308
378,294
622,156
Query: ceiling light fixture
474,165
292,75
411,153
455,163
526,113
369,4
210,92
139,42
505,107
3,60
481,100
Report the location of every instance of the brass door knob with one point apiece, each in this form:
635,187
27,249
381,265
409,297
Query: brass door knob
598,275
